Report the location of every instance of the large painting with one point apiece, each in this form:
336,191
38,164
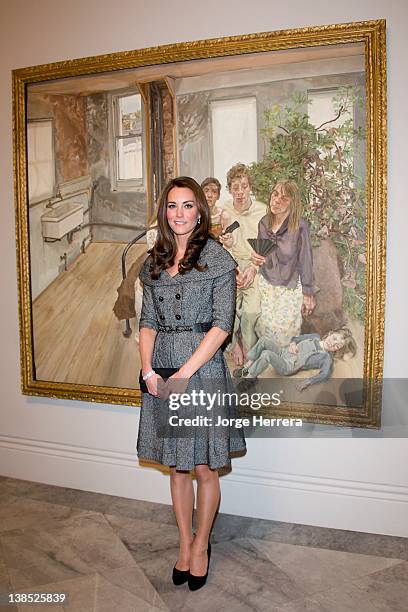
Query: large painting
286,133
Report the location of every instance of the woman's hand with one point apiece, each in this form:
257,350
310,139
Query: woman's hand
227,240
308,306
177,383
246,278
154,383
257,260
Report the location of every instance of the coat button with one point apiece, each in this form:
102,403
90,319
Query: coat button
162,317
178,296
161,298
178,317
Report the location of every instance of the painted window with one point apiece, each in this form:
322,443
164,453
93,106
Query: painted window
126,129
234,135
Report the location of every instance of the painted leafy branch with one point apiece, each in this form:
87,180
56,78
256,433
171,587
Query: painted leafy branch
327,163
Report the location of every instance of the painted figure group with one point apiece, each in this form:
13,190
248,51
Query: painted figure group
276,288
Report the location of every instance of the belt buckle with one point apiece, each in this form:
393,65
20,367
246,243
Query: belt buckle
181,328
166,328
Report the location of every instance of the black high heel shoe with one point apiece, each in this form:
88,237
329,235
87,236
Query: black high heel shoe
180,576
196,582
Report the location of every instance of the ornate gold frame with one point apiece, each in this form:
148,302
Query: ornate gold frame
372,34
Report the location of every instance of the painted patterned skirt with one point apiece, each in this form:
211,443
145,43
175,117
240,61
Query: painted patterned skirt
281,316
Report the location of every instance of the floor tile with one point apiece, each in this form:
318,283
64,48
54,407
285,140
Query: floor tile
238,578
386,589
133,580
316,569
80,545
22,513
332,539
144,539
80,595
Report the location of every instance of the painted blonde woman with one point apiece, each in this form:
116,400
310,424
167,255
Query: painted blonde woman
286,278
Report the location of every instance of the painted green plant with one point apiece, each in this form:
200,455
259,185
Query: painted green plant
327,162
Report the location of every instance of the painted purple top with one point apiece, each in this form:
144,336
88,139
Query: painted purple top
291,258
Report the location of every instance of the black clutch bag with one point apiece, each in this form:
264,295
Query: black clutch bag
165,373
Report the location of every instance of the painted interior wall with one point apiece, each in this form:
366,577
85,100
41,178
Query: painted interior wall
68,115
348,478
48,259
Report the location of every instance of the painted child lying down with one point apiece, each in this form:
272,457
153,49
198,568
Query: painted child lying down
305,352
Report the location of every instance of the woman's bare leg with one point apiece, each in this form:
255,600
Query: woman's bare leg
208,499
182,495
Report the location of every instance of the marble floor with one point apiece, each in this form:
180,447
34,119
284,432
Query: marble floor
114,554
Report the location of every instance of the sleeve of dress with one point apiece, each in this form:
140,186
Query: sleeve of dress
223,297
148,317
306,262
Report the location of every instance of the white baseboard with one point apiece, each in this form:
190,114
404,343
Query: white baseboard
291,498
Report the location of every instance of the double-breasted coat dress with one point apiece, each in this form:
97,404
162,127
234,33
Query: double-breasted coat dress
181,301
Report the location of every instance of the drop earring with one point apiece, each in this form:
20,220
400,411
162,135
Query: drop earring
198,220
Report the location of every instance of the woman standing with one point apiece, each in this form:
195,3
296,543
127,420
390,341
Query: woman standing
189,291
286,279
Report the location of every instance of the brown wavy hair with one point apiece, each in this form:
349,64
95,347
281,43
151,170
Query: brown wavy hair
239,171
165,248
289,188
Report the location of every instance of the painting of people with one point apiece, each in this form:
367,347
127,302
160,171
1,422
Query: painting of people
279,140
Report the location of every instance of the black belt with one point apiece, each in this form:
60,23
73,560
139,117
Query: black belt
195,327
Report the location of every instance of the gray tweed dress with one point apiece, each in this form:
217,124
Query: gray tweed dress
182,300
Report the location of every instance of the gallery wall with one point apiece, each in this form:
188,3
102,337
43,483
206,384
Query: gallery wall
350,479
